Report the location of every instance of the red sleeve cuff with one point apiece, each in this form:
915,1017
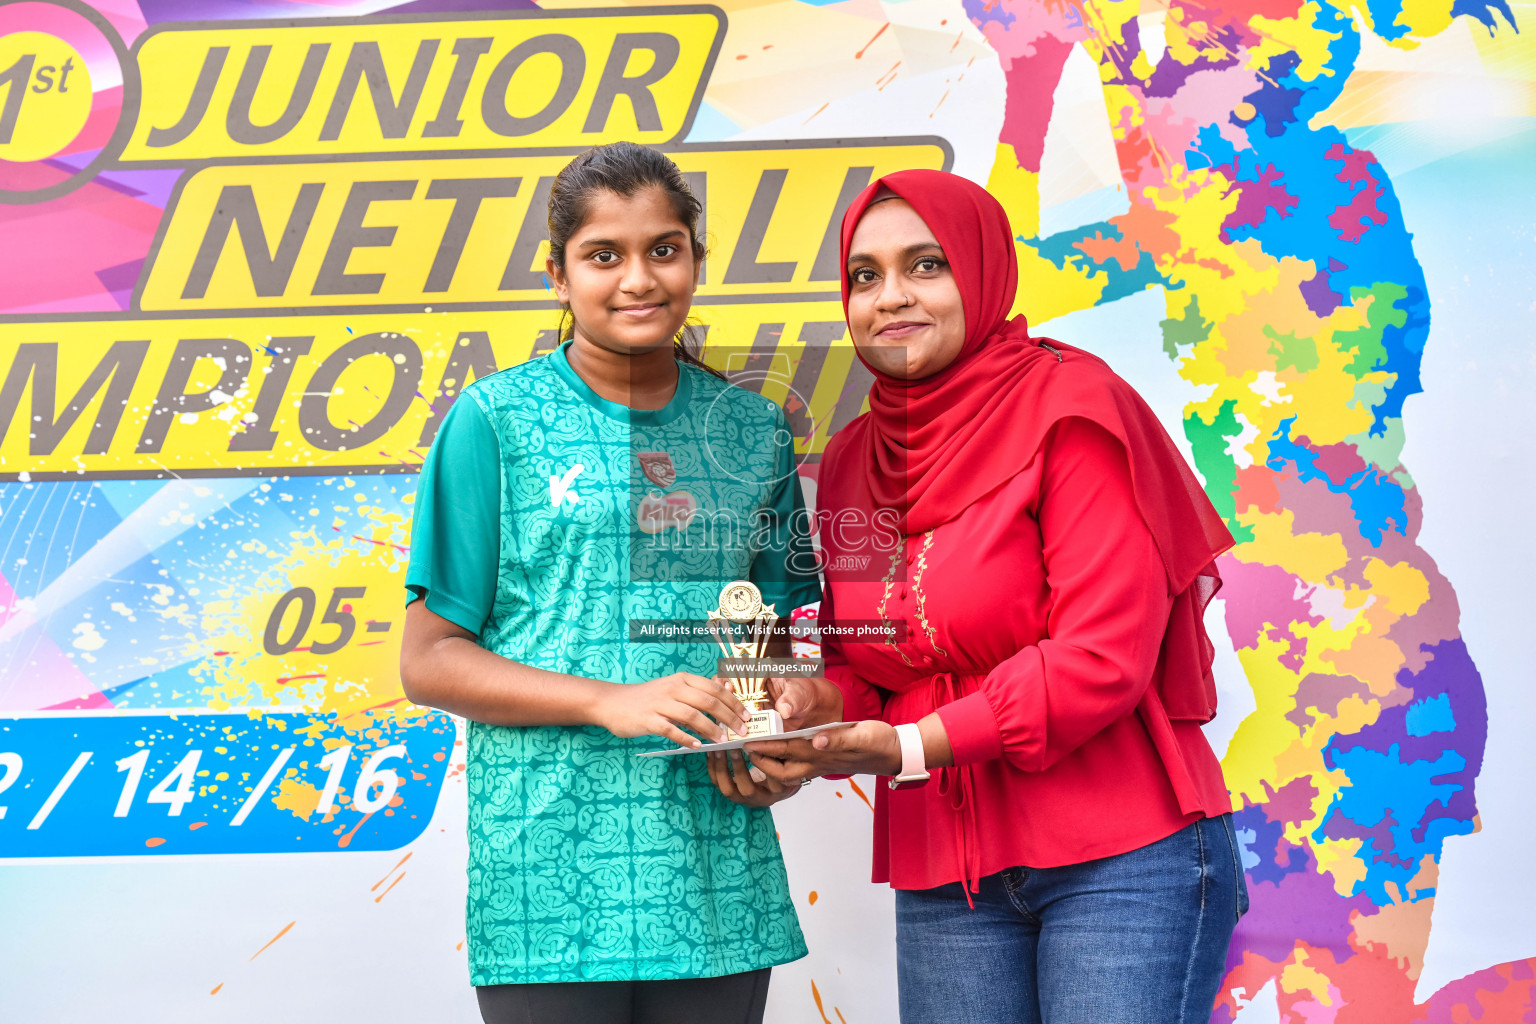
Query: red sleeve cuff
860,700
972,728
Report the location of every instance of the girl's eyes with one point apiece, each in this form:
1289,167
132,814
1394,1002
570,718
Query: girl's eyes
661,252
928,264
862,276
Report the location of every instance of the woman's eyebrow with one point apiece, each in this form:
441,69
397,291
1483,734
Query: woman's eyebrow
907,253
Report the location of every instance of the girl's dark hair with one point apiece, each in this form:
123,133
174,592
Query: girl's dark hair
625,169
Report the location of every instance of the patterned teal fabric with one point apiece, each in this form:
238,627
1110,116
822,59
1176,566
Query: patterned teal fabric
587,863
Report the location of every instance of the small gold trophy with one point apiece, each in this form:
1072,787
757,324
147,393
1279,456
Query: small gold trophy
743,626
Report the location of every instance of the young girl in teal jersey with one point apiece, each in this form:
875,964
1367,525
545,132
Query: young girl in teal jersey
562,501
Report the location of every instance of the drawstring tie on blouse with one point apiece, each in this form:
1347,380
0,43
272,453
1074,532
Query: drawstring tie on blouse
956,785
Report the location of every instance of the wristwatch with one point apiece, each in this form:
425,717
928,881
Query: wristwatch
914,771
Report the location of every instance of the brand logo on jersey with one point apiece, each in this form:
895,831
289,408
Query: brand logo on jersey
658,468
560,487
656,512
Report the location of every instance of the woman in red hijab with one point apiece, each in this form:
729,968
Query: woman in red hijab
1056,825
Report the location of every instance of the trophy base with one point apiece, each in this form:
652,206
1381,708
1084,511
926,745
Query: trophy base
763,725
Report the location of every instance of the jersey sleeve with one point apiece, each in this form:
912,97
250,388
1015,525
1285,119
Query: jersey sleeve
456,526
784,568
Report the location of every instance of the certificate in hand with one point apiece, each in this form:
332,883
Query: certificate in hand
738,743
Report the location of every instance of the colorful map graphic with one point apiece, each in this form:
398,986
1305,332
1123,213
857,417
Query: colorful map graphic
1296,304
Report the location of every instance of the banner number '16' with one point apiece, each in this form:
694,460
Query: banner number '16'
228,783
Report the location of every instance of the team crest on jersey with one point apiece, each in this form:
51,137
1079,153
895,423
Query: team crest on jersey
658,468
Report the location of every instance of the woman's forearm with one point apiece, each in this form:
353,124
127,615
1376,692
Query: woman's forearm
936,749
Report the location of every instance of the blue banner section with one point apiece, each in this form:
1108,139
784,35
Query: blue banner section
112,784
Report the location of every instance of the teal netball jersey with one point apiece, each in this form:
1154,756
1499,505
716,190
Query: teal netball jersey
550,522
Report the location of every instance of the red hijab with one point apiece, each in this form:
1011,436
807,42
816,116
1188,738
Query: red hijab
929,448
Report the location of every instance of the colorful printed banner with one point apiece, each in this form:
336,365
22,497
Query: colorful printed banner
251,252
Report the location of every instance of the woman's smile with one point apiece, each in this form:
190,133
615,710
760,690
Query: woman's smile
900,329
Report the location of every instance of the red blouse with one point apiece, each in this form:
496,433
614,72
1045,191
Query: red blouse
1033,623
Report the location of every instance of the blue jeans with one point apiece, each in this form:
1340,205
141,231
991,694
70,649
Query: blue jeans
1139,938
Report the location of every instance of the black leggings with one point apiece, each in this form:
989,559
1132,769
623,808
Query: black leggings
732,999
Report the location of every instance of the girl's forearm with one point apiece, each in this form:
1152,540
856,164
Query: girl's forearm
448,670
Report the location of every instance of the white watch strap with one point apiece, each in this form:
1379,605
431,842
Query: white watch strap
913,765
